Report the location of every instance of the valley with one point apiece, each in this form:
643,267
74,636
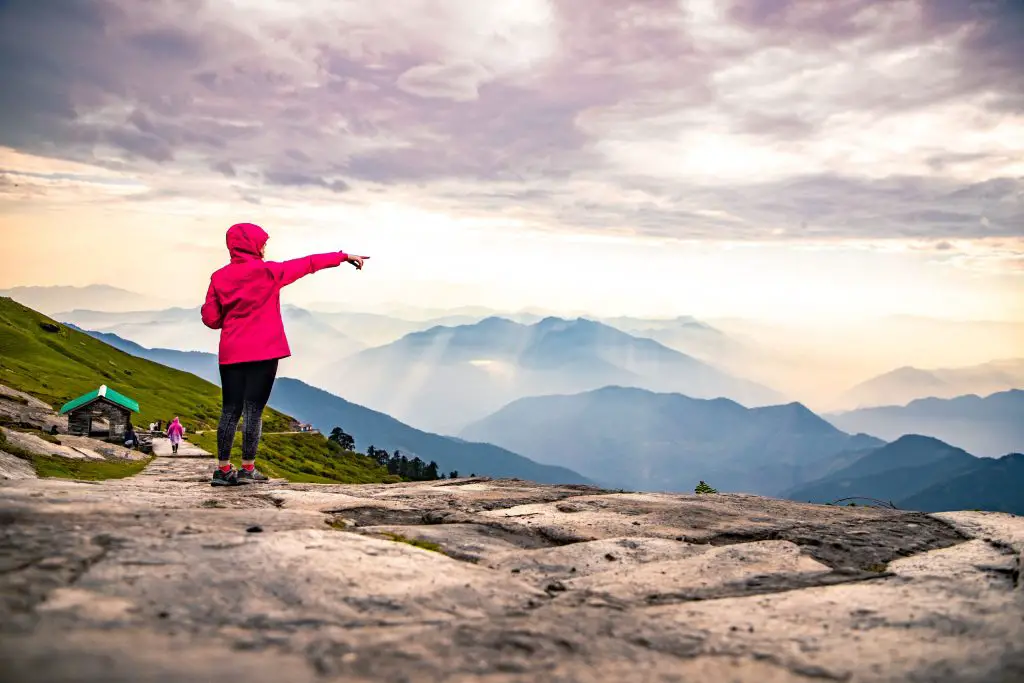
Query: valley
556,400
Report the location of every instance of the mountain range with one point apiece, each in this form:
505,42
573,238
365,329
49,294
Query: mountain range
638,439
50,300
369,427
445,378
315,343
990,426
685,334
908,383
667,441
923,473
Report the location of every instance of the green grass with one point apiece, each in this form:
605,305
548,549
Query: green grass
89,470
418,543
304,457
56,367
68,468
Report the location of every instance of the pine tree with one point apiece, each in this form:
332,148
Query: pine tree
704,488
416,467
430,472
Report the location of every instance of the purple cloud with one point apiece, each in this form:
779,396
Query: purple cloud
559,112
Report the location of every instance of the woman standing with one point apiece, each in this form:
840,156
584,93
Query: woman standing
174,432
244,303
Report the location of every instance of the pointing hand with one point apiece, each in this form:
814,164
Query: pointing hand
357,261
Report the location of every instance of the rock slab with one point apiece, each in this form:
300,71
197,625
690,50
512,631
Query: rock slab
160,577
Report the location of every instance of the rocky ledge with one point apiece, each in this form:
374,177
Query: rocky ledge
162,578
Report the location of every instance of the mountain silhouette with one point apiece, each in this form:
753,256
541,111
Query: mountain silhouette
644,440
923,473
447,377
906,384
369,427
990,426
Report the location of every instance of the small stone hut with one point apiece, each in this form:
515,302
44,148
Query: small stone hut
103,404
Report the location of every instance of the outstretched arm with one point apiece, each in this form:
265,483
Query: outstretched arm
287,272
213,316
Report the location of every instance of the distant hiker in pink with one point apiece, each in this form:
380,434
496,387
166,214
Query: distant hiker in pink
175,432
244,303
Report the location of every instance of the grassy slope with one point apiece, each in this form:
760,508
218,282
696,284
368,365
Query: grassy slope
305,457
65,468
58,366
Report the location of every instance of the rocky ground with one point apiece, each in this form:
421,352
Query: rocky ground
160,577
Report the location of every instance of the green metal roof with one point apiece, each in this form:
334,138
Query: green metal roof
102,392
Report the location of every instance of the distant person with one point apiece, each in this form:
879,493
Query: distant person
175,432
244,303
159,425
130,439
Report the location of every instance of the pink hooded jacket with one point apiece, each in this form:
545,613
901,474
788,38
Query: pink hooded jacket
175,431
244,298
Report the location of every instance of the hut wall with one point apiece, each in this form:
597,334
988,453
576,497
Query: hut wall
79,420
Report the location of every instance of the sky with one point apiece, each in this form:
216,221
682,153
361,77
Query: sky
759,158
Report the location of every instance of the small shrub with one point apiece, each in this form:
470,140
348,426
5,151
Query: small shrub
704,488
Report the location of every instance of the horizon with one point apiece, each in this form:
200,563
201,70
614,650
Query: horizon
739,160
821,367
394,309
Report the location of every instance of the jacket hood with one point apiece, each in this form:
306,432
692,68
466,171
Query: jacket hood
245,240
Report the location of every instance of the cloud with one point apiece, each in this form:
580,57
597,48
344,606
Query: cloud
299,179
752,119
459,81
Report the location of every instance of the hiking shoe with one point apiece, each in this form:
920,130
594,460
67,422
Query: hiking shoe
221,478
251,476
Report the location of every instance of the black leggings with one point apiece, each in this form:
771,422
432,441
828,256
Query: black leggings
246,390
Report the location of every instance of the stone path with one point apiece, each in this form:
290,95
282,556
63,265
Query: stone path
162,447
161,577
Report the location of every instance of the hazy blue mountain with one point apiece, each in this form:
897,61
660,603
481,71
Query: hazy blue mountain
368,427
371,329
446,377
688,335
906,384
643,440
198,363
922,473
891,472
990,426
50,300
314,342
995,484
